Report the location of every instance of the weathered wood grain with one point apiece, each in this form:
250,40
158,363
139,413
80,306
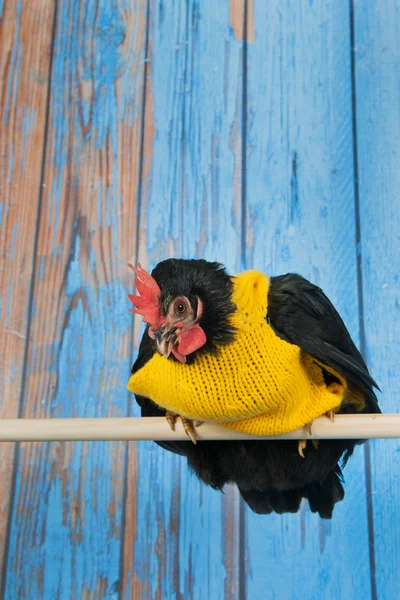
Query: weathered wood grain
71,535
187,536
377,101
66,529
301,217
25,40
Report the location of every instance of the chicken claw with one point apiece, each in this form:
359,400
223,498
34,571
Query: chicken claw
188,425
171,418
189,428
330,414
303,443
301,446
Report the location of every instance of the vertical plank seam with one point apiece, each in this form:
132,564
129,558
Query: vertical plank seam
15,462
137,244
367,452
244,141
242,512
142,130
190,8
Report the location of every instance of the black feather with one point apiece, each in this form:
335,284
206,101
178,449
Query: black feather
323,495
300,313
270,475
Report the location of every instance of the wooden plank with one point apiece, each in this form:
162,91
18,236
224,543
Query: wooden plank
25,38
301,217
186,543
377,51
66,530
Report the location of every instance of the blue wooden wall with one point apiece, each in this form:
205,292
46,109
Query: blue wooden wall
261,134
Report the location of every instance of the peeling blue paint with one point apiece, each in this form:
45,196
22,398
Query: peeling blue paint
80,551
188,208
376,69
191,205
13,370
41,267
74,279
11,163
296,122
13,240
28,126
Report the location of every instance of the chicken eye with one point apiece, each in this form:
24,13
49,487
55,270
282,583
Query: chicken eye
180,307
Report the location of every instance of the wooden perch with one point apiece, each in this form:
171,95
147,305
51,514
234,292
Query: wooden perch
157,428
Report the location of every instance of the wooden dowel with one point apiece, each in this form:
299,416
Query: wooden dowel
156,428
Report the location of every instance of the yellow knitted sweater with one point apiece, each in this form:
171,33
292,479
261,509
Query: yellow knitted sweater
257,384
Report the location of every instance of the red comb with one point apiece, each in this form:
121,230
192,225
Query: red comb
146,303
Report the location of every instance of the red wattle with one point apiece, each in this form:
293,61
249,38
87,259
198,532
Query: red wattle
191,340
178,355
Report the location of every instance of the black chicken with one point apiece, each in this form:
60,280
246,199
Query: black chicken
186,305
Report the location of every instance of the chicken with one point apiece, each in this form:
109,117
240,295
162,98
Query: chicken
188,308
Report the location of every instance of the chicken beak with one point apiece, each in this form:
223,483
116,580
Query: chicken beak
166,339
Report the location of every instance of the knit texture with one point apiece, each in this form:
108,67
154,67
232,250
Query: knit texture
257,384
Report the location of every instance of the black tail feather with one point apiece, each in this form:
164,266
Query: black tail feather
322,497
268,501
